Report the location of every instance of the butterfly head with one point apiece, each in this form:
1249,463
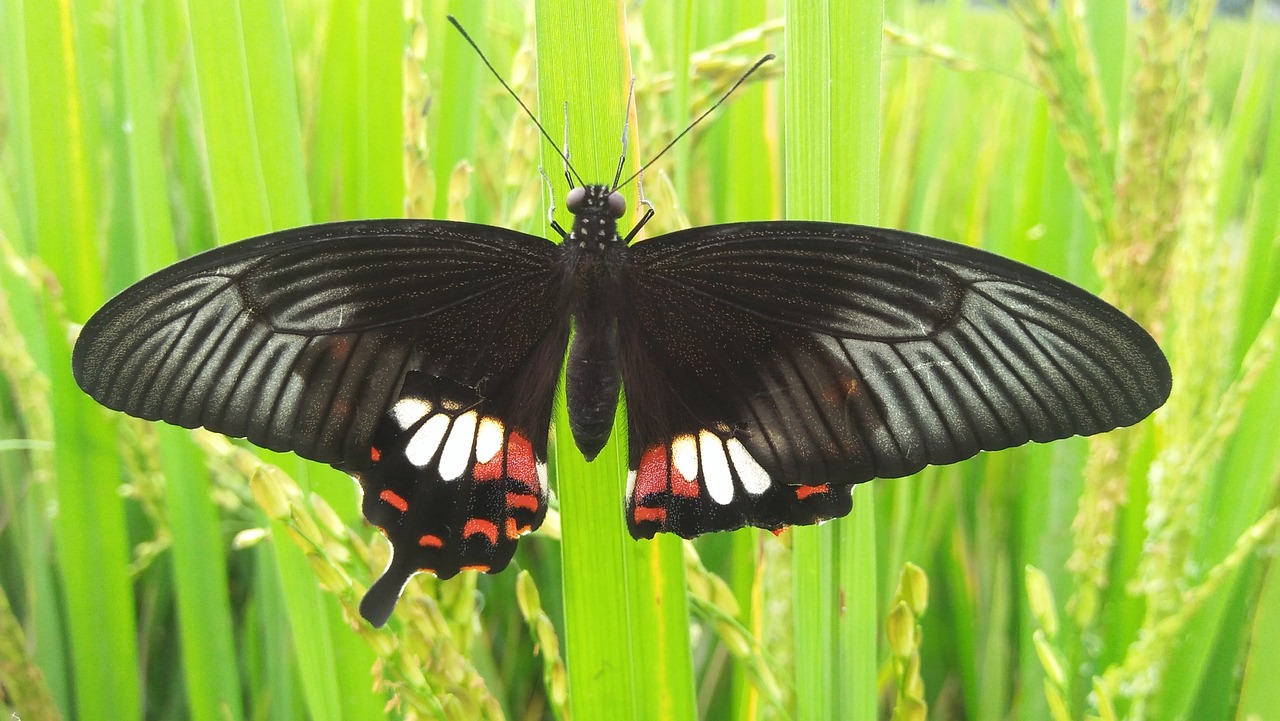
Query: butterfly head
596,210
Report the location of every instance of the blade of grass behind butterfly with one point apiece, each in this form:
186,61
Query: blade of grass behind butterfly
656,568
598,644
255,169
742,182
31,526
199,568
832,156
461,93
356,143
368,159
1260,695
625,617
1245,481
56,142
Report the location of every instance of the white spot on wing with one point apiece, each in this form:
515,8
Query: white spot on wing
631,482
684,455
422,447
542,477
754,478
489,439
457,449
408,411
715,468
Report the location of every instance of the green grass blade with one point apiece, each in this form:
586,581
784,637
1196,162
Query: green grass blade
855,172
588,74
626,617
833,155
200,576
380,124
1260,695
209,669
255,165
807,117
460,86
61,203
31,526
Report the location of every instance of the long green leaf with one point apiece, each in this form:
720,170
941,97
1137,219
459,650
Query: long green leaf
587,73
62,203
833,142
204,614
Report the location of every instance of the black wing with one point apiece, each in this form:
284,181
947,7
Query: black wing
303,340
769,366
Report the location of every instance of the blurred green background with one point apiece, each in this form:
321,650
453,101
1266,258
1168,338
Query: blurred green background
152,572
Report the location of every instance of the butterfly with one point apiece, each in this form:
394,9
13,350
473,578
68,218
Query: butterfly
767,367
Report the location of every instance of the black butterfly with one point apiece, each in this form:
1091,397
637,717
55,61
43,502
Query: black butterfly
767,366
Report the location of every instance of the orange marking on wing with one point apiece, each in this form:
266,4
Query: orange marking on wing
480,526
521,465
375,454
431,541
514,531
481,569
777,532
651,475
395,499
522,500
803,492
647,513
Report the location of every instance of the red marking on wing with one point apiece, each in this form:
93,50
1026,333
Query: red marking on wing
375,454
430,541
647,513
480,526
397,502
777,532
490,471
681,486
651,476
803,492
522,500
521,465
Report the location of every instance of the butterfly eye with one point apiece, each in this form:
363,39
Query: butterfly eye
575,199
617,205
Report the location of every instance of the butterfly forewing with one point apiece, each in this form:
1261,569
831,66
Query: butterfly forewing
299,340
832,354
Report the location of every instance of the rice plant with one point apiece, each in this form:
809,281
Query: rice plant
153,572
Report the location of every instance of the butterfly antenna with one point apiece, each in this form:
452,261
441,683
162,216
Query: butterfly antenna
626,121
526,109
551,204
567,178
699,119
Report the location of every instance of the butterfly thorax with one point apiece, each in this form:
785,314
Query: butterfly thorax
595,256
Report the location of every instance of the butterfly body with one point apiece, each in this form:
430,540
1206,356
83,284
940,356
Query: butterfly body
595,261
767,367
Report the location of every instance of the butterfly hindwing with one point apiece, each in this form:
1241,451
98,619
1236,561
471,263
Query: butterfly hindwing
707,480
452,485
834,354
